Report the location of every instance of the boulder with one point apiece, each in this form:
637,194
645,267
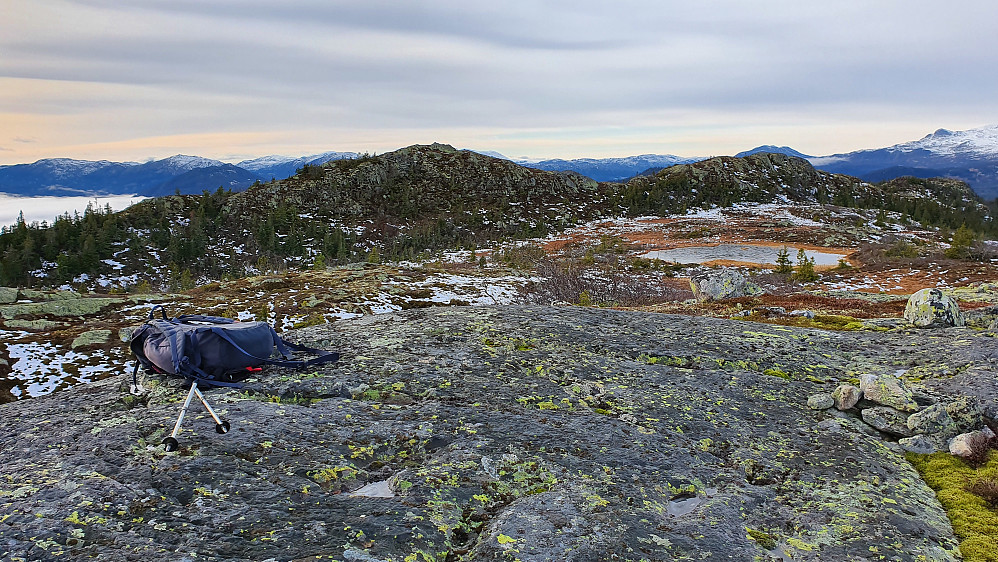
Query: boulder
932,420
968,444
887,420
846,396
919,444
8,295
723,284
887,390
966,414
822,401
930,308
93,337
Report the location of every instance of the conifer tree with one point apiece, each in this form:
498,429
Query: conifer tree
783,263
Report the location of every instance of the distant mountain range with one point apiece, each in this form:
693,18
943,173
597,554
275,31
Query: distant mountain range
971,156
187,174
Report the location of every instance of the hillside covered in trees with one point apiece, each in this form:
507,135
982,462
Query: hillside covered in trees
421,199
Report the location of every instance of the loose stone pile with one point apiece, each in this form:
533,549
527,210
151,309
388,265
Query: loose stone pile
923,424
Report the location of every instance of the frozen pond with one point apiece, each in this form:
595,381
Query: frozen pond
739,252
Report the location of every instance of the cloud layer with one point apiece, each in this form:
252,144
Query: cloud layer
129,79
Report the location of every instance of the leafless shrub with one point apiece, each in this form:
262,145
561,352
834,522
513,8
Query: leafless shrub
981,446
524,256
578,281
986,488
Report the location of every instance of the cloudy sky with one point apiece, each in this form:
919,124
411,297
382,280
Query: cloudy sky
234,79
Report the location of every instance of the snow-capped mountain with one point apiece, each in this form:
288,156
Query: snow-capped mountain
971,156
772,149
973,143
279,167
181,162
187,174
608,169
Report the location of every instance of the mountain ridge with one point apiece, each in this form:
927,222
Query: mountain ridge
971,156
431,197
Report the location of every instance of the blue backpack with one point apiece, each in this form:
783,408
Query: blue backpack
211,350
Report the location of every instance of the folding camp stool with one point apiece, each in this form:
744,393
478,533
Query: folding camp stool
221,426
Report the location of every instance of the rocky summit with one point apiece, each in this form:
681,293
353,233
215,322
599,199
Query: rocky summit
500,433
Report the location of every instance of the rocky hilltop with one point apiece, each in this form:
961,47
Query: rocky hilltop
419,200
512,433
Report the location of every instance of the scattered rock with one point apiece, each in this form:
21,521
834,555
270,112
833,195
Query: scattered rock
93,337
934,419
34,324
809,314
821,401
966,413
846,396
930,308
723,284
887,420
968,444
8,295
918,444
887,390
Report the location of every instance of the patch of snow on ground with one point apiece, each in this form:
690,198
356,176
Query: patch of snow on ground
39,368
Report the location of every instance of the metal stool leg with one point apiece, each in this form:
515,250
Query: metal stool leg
221,426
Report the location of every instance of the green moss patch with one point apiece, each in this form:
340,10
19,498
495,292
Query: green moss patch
974,521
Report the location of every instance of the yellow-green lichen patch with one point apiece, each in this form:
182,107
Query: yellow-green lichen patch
974,521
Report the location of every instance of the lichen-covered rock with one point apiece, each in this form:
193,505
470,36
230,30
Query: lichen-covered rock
887,390
931,308
8,295
91,337
887,420
931,420
965,412
919,444
723,284
971,443
846,396
59,307
524,432
820,401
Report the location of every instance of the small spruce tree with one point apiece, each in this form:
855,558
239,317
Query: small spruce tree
783,263
320,263
805,268
374,256
961,242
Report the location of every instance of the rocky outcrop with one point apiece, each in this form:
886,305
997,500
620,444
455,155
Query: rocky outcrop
931,308
8,295
724,283
537,433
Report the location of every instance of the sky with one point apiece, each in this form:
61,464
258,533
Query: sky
134,80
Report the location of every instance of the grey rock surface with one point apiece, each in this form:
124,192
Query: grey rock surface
533,432
887,390
820,401
888,420
931,308
933,419
723,284
919,444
